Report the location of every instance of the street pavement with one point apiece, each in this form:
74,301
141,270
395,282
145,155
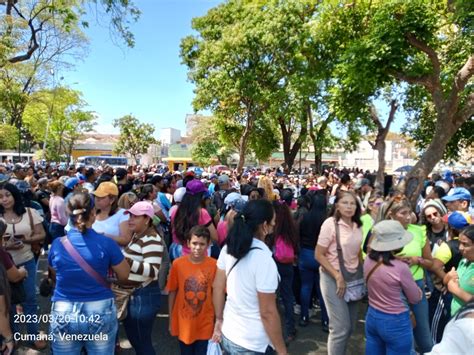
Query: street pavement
310,340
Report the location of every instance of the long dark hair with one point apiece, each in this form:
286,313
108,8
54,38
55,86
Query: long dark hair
19,206
80,207
313,219
469,232
187,216
285,226
356,217
240,237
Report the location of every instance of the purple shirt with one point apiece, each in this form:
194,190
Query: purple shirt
57,207
386,285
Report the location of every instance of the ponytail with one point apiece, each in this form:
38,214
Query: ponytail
240,237
80,207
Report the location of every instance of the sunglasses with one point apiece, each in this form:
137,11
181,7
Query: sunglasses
432,215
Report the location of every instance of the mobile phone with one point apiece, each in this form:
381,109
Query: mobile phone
19,236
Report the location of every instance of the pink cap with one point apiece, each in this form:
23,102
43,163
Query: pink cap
142,208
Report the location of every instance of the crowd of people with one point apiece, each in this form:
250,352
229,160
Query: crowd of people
239,255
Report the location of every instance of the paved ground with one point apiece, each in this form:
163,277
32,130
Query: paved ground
310,340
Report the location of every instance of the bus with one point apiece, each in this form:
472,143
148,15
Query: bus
6,156
95,161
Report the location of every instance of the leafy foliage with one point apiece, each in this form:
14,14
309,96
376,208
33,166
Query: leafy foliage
135,137
8,136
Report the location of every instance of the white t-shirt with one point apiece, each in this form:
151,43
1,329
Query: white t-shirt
110,227
256,272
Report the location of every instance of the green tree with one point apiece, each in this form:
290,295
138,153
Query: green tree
135,137
420,44
56,119
207,147
8,136
226,62
26,24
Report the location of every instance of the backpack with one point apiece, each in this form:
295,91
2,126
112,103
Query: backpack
284,253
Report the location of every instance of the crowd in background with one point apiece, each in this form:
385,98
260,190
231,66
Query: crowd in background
234,252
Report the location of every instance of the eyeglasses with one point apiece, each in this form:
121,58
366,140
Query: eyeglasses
432,215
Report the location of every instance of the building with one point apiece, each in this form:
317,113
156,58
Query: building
179,157
170,135
95,144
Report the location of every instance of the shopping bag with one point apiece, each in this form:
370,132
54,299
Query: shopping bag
213,348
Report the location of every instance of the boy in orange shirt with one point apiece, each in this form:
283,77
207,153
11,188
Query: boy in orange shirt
190,294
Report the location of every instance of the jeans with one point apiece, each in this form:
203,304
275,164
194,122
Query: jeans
56,230
342,316
199,347
309,272
232,348
30,305
91,325
422,331
387,334
143,306
286,293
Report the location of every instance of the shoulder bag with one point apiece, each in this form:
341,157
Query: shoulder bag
35,246
355,284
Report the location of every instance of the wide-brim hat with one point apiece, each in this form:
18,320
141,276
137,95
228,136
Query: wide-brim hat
389,235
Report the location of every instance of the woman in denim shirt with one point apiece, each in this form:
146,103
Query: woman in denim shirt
83,313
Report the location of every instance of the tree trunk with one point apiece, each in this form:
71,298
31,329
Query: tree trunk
290,152
413,183
243,141
318,161
380,178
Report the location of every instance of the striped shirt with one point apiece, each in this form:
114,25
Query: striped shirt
144,256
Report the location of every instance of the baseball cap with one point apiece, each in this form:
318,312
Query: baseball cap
142,208
4,178
458,193
179,194
195,186
106,188
22,185
72,182
223,179
458,220
235,201
361,182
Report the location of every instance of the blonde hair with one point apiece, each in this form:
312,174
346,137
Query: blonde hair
266,184
127,200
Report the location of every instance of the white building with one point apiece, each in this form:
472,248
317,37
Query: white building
170,136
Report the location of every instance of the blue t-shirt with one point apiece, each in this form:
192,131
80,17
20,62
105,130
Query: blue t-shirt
73,283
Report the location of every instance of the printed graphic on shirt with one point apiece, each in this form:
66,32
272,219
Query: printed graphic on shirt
195,294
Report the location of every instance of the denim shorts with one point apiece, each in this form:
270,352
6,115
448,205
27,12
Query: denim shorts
232,348
92,325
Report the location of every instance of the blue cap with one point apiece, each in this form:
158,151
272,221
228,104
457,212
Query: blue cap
72,182
459,220
22,185
458,193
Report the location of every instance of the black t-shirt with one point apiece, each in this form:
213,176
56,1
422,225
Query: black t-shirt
434,238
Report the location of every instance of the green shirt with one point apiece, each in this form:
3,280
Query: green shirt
367,224
466,282
415,248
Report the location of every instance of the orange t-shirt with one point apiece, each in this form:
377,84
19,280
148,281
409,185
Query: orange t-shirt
192,317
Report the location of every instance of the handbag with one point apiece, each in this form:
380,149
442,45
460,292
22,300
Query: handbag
35,246
122,297
213,348
284,252
355,284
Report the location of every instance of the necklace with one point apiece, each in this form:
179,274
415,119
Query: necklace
12,220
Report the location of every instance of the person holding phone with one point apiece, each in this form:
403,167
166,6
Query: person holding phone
24,227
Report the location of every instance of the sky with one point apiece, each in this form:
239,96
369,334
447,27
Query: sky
147,81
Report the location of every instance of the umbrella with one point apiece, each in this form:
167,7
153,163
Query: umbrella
404,169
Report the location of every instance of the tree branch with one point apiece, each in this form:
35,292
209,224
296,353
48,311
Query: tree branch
460,81
430,52
416,80
466,112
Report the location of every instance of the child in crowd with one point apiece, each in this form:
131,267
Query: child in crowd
190,294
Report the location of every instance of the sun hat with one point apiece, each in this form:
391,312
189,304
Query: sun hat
195,186
106,188
142,208
458,193
389,235
179,194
